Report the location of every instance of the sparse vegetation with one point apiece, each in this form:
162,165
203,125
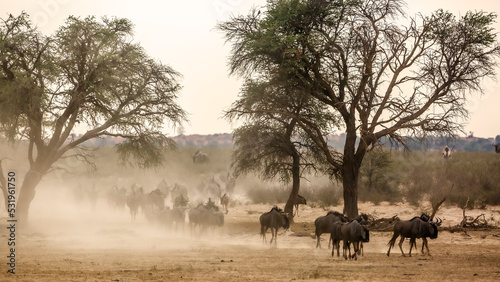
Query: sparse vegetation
392,176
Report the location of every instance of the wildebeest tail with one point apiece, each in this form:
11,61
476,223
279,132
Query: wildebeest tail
391,243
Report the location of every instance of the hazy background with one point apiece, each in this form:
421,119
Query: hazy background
181,34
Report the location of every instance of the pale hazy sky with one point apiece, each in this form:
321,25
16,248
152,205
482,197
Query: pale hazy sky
181,34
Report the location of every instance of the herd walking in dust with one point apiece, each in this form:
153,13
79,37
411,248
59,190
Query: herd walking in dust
170,206
353,232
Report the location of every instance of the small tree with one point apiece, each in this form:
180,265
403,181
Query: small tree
87,73
270,142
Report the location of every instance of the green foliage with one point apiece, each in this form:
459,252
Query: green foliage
466,175
352,58
89,73
378,179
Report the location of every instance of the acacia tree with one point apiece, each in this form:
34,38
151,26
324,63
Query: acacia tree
88,73
381,79
270,142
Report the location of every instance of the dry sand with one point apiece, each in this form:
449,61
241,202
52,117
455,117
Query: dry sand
107,245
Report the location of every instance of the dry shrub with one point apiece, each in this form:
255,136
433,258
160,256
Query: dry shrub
267,195
324,195
378,179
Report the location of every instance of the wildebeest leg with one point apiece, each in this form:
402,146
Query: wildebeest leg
330,240
360,249
263,230
424,243
412,242
272,235
355,246
318,244
275,235
344,249
401,245
336,244
347,247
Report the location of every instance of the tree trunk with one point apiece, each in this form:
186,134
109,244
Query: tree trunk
27,194
350,185
295,186
3,186
350,175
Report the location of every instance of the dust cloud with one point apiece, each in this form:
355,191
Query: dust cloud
76,210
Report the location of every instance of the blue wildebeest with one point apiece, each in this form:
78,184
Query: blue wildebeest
274,219
324,224
417,227
447,152
353,232
204,218
224,201
336,236
199,157
362,219
116,197
155,198
134,200
298,200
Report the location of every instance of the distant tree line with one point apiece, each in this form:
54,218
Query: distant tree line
468,144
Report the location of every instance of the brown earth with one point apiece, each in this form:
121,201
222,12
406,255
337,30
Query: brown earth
106,245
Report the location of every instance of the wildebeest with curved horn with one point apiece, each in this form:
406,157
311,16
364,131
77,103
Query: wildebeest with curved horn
324,224
447,152
363,219
205,218
298,200
355,233
274,219
417,227
199,157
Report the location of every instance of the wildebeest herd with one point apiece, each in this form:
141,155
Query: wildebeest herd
170,206
176,212
353,232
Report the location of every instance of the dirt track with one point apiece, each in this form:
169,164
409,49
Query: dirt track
124,251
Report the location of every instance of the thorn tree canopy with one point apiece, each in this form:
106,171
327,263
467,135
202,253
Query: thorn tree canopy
91,74
270,142
380,78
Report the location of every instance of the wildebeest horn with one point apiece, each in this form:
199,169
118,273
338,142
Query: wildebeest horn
439,221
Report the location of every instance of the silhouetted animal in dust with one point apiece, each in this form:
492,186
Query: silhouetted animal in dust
274,219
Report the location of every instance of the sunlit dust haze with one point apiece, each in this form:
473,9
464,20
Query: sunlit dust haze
182,34
77,209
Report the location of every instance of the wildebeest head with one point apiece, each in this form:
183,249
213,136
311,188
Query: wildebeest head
433,228
365,233
299,200
285,221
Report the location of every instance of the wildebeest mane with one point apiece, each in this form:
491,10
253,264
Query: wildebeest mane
335,213
276,208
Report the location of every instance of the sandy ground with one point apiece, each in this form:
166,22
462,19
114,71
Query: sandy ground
106,245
